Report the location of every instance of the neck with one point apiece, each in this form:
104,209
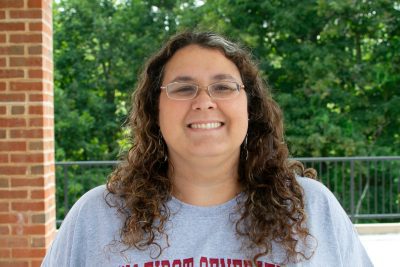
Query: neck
205,182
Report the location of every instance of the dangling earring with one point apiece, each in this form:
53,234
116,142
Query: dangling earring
245,150
162,146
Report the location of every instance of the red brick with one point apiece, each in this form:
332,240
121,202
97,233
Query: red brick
3,134
5,253
2,86
42,194
26,62
12,26
3,62
36,263
14,264
12,97
41,145
35,73
3,110
3,38
28,253
7,73
12,146
30,158
36,26
40,98
8,218
26,38
40,110
26,14
28,206
13,242
17,110
11,3
37,169
36,3
29,229
14,170
38,242
35,50
26,86
2,14
4,182
12,50
11,194
34,133
40,122
30,182
12,122
4,158
4,207
4,229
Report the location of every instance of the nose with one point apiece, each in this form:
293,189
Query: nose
203,100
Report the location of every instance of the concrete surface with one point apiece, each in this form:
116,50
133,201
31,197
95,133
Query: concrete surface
383,249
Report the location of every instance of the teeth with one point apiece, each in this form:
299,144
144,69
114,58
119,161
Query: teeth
210,125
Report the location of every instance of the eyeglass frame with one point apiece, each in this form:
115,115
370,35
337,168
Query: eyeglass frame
239,86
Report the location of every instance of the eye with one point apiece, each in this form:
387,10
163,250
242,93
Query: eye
182,89
226,87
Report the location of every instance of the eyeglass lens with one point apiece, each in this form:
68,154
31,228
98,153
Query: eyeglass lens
221,90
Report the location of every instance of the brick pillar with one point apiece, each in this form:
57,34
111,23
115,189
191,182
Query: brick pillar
27,201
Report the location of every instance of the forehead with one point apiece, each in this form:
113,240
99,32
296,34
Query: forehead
199,63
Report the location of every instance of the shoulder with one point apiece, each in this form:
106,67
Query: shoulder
98,203
325,215
91,222
315,191
94,194
329,223
310,185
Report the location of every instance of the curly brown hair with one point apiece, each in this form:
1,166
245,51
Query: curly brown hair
273,210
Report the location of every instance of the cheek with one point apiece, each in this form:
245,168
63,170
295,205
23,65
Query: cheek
239,115
243,108
171,116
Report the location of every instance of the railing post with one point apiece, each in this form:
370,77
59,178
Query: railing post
66,207
352,190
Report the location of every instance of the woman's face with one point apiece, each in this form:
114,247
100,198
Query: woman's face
202,126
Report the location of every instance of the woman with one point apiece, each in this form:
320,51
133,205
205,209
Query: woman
207,181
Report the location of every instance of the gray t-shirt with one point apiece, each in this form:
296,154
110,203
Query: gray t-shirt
199,236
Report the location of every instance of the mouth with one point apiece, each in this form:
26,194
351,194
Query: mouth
208,125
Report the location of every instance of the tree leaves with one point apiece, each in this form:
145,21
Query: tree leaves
334,67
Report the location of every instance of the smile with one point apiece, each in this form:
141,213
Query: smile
210,125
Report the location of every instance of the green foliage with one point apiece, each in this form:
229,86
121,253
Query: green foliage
334,67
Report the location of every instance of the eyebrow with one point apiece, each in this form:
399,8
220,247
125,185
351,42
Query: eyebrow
183,79
218,77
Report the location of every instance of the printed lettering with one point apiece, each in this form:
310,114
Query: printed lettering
188,262
177,263
214,262
203,262
237,263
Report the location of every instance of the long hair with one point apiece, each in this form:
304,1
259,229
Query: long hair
273,210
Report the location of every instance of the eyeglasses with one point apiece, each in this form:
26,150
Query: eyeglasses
218,90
